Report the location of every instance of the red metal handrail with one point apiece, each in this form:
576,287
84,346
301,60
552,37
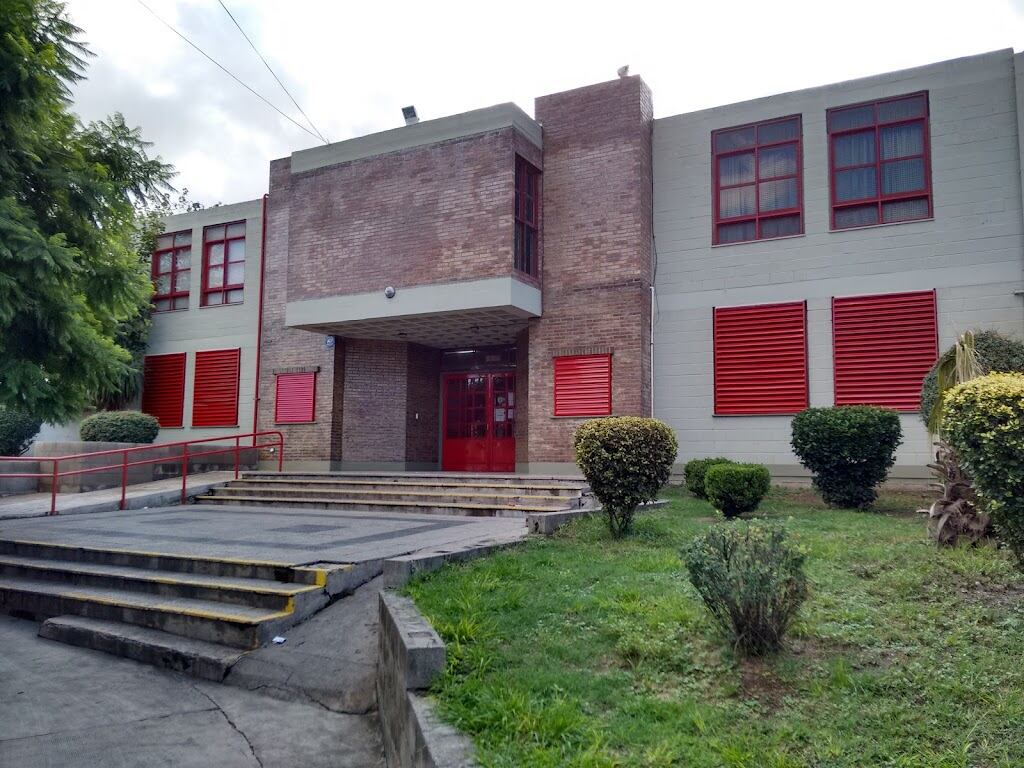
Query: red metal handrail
184,455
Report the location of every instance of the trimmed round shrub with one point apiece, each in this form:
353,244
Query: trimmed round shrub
696,469
752,581
849,450
984,422
17,429
734,489
119,427
995,353
626,460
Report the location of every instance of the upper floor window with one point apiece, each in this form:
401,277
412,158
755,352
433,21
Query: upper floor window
223,264
527,217
880,162
172,270
758,190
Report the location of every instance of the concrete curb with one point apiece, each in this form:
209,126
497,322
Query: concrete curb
412,656
398,571
546,523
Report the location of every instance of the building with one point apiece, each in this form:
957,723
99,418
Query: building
461,293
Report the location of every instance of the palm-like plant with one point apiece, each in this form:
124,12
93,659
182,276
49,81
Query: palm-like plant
955,515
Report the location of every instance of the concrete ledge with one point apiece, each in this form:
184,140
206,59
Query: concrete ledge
411,658
398,571
546,523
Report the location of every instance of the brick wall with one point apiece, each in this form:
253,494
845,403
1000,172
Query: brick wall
375,401
597,209
423,415
437,213
284,348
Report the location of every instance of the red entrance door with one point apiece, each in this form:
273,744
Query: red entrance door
478,422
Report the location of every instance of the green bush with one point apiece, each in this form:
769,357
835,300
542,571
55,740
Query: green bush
626,460
984,421
752,581
994,351
734,489
119,427
849,450
696,469
17,429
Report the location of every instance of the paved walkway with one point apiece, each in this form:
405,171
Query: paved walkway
278,534
67,706
154,494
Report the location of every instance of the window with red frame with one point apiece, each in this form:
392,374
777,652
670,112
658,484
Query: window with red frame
223,264
527,217
757,181
760,359
883,347
295,398
172,270
880,162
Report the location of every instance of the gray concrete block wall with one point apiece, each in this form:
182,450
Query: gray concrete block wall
231,326
971,252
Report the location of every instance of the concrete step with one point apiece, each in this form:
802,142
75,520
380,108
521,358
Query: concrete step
216,622
425,485
489,478
159,561
437,498
303,599
208,661
413,507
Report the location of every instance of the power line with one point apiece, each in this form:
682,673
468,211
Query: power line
228,72
271,71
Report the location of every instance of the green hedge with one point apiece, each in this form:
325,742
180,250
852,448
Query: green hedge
734,489
848,449
995,353
626,460
984,422
17,429
696,469
119,427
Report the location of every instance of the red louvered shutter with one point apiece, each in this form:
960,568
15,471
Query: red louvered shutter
883,347
215,393
163,388
761,359
296,394
583,385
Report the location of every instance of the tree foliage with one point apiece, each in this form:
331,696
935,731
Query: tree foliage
70,200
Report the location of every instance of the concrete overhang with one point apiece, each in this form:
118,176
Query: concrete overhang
443,315
420,134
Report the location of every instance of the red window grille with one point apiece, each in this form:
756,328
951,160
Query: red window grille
760,359
215,391
583,385
163,388
172,270
758,187
880,162
295,398
883,346
527,217
223,264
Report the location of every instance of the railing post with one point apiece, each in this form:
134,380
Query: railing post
124,477
280,452
237,443
53,487
184,472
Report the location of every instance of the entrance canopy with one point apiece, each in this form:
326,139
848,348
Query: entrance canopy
443,315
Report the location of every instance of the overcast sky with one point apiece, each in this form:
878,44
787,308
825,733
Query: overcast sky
352,66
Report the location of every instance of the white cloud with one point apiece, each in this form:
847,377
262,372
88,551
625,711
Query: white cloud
352,66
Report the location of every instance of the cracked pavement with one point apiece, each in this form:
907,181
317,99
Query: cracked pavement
284,706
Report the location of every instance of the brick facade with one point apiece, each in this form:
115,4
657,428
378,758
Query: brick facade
597,202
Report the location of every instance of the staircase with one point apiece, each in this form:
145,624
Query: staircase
196,615
480,495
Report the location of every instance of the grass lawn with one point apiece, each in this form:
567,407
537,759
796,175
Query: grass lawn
578,650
